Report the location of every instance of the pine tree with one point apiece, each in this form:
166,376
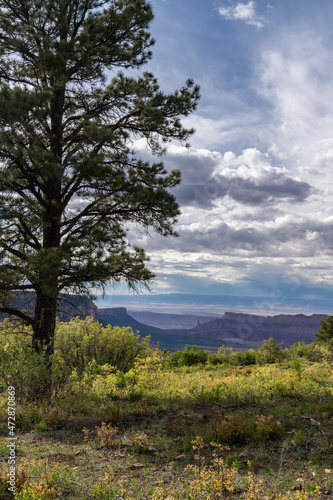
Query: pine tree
325,333
70,183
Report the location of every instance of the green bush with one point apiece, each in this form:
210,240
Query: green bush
215,359
324,336
80,342
20,367
321,352
244,358
269,352
81,346
223,356
189,356
226,356
300,350
233,430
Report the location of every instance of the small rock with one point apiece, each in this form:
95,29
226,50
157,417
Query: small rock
136,466
314,422
300,486
328,471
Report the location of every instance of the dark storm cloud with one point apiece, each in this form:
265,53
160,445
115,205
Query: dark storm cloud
274,188
219,239
208,177
286,239
244,191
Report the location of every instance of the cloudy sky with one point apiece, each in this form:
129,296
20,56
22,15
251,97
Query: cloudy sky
257,189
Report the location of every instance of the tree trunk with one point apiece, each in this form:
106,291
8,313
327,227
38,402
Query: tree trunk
43,338
46,296
45,321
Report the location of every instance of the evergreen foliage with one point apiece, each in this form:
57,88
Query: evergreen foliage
70,184
270,352
325,334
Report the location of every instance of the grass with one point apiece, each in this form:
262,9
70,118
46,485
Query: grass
163,431
265,416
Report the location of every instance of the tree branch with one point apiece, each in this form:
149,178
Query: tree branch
16,312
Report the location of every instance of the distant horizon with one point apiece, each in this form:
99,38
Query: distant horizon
216,305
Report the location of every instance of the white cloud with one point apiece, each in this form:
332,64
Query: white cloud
296,79
242,12
246,193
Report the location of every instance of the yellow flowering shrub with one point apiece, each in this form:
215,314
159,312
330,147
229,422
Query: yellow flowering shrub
232,429
37,491
267,427
254,487
106,435
137,440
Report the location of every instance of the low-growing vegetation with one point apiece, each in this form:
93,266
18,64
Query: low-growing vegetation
127,420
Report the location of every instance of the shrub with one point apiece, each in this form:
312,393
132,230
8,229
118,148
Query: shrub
19,365
232,430
80,342
190,356
20,479
300,350
147,371
23,369
317,351
244,358
321,352
82,347
267,427
107,435
226,356
269,352
222,356
137,440
37,491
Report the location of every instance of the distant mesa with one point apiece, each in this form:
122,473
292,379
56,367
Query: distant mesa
238,330
284,328
118,316
114,311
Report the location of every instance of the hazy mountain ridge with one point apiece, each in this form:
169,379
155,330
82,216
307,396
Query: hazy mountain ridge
238,330
284,328
235,329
